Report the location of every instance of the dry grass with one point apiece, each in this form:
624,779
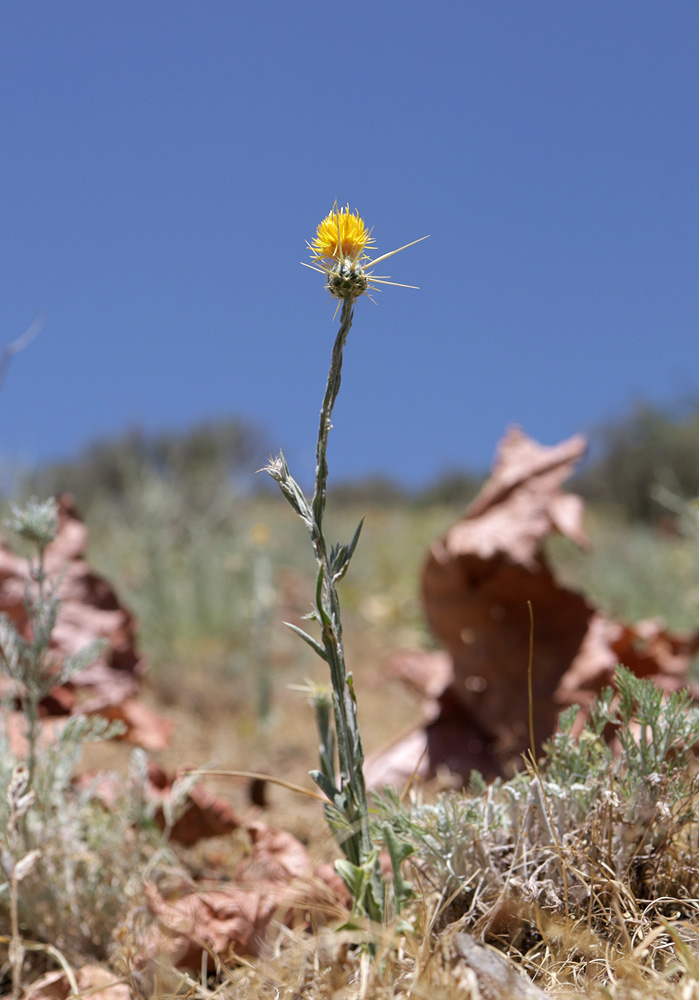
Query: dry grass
603,906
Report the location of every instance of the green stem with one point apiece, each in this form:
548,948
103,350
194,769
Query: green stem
331,391
349,744
34,694
349,796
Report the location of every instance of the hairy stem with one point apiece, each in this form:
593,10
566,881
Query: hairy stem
347,793
349,744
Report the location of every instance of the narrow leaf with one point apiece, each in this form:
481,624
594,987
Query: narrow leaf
313,643
354,877
80,660
349,550
398,850
328,788
341,555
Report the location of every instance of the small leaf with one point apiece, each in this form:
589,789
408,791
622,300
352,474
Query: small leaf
327,757
25,864
90,729
80,660
398,851
328,788
313,643
354,877
12,648
322,704
341,555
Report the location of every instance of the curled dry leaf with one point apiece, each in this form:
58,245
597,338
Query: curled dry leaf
275,855
478,584
144,727
203,815
224,922
274,885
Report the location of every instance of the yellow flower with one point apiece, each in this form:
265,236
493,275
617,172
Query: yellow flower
341,236
339,249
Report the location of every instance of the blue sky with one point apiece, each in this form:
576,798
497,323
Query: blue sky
165,162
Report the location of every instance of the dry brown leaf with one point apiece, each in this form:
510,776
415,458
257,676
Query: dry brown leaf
648,648
224,922
430,674
478,583
522,502
275,884
204,815
144,727
276,855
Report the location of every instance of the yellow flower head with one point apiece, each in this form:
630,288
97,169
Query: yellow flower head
339,250
341,236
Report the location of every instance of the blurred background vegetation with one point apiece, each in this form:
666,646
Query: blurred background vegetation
629,458
649,447
209,558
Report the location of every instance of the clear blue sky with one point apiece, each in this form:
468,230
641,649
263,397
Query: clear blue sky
164,163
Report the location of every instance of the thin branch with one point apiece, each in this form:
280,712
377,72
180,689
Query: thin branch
20,343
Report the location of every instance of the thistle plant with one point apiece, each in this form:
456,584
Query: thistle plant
339,253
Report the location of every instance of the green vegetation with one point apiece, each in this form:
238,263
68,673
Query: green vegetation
649,447
341,773
566,836
195,464
72,867
581,866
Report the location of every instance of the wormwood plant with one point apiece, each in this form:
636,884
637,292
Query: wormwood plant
584,831
339,254
69,869
28,662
